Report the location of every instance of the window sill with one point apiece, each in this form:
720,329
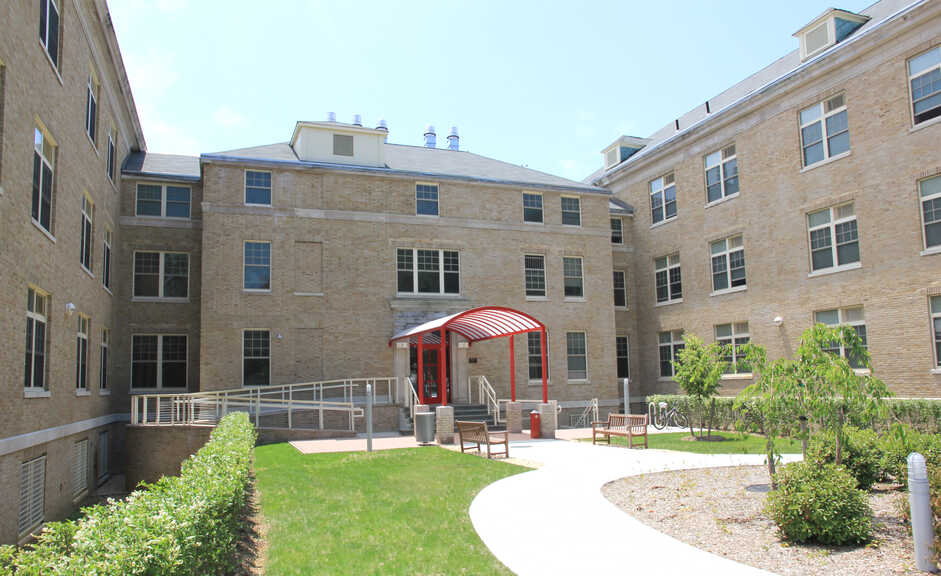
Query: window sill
573,299
933,249
668,302
428,295
93,145
308,293
108,290
665,379
722,200
537,298
925,124
617,244
729,290
662,222
536,383
743,376
829,160
80,496
39,227
160,217
30,393
49,58
862,371
104,391
87,271
256,291
252,205
579,382
427,215
936,371
137,391
540,223
622,308
82,392
157,299
835,269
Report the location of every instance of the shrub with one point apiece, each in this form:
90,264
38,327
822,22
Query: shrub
186,524
900,441
819,503
862,453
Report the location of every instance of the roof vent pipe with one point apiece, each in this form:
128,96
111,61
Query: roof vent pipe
453,139
357,120
384,127
331,116
430,141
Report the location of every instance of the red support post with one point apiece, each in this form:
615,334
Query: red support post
421,370
442,369
542,346
512,371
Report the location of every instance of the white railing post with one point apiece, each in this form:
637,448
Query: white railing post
290,407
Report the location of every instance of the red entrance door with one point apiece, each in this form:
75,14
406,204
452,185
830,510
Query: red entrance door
430,368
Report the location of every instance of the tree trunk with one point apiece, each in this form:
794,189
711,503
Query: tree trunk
803,421
769,453
839,437
701,406
712,415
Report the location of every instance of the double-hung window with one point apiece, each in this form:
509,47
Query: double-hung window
834,238
622,353
91,108
534,356
44,153
617,230
81,354
426,199
728,263
37,309
572,277
825,130
32,495
104,368
163,200
845,317
88,215
257,188
924,76
930,191
663,198
257,266
112,158
620,289
256,358
571,211
535,272
436,272
106,259
670,345
669,279
158,361
732,337
532,207
576,348
49,29
721,174
936,328
161,275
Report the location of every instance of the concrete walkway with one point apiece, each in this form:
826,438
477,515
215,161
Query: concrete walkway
555,520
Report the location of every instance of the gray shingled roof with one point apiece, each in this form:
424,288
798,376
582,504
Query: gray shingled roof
161,166
617,206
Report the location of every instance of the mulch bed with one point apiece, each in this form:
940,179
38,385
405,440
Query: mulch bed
712,510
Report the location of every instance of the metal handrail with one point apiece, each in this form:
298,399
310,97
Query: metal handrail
486,395
411,396
588,415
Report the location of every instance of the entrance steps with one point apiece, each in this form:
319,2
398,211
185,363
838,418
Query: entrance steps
463,412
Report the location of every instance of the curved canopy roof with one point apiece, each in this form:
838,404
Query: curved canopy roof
475,324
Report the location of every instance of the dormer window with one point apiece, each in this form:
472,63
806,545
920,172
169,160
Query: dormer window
342,145
828,29
622,149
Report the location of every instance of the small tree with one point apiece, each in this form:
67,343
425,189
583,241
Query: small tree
698,369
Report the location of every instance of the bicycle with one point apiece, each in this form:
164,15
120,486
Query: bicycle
661,416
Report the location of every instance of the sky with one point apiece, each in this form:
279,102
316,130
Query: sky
541,84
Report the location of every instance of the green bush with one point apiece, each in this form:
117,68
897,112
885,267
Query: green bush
861,453
900,441
180,525
819,503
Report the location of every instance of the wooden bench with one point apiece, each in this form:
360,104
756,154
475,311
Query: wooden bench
629,426
476,433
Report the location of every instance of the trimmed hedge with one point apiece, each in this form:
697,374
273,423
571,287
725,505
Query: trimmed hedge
180,525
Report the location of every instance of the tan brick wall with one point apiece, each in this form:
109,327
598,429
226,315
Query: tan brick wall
154,451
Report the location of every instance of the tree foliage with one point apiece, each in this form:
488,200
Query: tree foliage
698,370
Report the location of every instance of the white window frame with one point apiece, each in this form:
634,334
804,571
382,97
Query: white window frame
86,252
441,274
935,198
352,145
726,154
159,381
530,356
107,259
43,142
163,200
112,160
161,278
675,344
104,362
935,316
242,344
526,276
79,468
580,277
542,217
623,288
245,188
730,245
81,355
842,321
911,77
577,211
437,199
660,185
568,355
671,262
270,267
824,131
44,38
32,495
91,109
738,335
834,221
34,295
617,233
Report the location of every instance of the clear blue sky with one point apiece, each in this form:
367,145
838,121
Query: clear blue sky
542,84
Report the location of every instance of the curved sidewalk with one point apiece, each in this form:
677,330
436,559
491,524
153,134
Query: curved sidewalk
555,520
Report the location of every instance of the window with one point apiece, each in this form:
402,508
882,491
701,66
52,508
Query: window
342,145
622,353
32,493
936,328
662,198
88,214
257,270
37,307
112,159
161,275
734,336
258,188
49,29
91,107
103,451
924,76
256,358
834,238
620,289
721,174
669,279
81,353
532,207
44,152
106,260
845,317
824,130
577,355
617,231
728,263
572,276
535,272
79,467
158,361
930,190
571,211
426,199
163,200
104,367
438,271
534,355
670,345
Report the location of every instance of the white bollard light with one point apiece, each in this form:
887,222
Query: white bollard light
920,501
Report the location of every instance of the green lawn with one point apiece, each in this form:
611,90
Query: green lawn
734,443
390,512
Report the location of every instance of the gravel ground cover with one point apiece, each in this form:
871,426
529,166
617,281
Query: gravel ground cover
720,510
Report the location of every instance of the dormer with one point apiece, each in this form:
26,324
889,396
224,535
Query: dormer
826,30
339,143
622,149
